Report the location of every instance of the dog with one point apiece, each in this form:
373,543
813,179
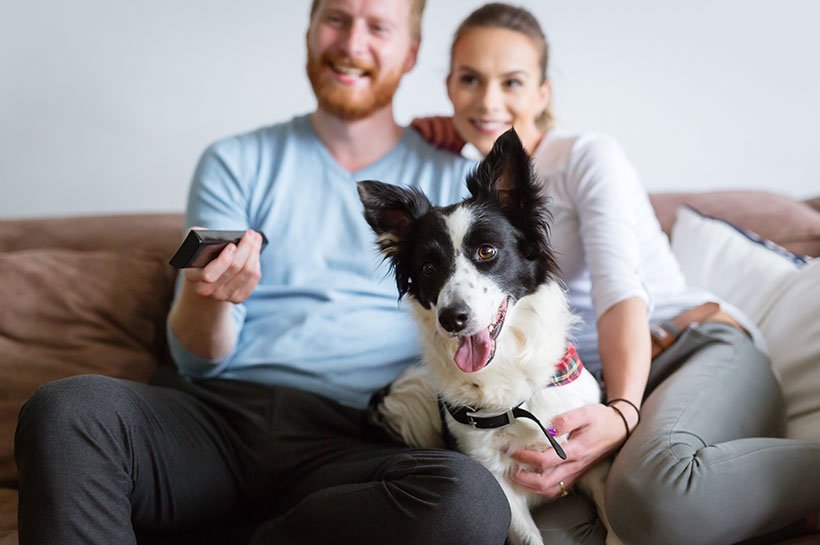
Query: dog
494,320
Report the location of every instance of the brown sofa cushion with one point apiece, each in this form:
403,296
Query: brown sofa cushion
814,203
8,516
69,312
791,224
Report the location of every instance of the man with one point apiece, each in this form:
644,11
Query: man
279,350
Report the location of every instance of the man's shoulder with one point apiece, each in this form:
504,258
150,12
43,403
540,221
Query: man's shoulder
440,174
428,153
445,165
266,137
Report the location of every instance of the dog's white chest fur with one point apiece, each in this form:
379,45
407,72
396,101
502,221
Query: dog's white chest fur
534,339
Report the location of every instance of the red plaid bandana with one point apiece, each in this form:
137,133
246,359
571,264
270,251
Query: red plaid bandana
568,369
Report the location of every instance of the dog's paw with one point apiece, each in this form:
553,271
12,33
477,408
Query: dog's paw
525,538
526,541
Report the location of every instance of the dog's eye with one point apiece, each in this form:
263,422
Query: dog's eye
428,269
486,252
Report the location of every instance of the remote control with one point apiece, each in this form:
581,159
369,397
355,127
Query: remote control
203,245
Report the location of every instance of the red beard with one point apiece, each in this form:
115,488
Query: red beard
341,100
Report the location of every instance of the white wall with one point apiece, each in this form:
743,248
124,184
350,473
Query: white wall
105,105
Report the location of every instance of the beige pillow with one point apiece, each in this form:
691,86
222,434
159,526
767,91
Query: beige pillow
792,331
68,313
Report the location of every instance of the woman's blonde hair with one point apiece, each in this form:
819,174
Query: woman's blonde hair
498,15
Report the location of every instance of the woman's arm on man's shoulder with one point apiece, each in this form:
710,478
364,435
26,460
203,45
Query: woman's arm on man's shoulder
440,132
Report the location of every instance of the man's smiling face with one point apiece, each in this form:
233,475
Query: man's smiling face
358,51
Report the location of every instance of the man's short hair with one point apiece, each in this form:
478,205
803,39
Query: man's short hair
416,11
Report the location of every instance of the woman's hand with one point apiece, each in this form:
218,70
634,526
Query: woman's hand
440,132
594,432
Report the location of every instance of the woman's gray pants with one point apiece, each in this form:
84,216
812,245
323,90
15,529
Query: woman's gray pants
706,465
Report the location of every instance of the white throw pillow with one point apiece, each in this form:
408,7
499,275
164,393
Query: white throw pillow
779,291
792,331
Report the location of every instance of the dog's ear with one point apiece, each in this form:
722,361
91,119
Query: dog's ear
505,175
390,211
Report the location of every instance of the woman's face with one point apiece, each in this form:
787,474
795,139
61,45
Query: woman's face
495,84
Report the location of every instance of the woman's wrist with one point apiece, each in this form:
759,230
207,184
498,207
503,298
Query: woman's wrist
629,412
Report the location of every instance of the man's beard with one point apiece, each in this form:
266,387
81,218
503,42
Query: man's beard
342,101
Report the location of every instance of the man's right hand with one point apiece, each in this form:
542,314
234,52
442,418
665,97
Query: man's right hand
201,314
233,274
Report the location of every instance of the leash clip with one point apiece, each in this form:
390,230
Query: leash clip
471,416
510,415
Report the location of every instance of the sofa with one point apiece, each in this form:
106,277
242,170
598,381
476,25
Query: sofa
90,294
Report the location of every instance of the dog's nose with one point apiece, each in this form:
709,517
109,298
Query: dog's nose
454,318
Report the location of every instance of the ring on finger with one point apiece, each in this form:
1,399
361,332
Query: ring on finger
564,491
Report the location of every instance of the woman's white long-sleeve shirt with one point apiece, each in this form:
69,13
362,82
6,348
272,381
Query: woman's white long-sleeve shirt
608,242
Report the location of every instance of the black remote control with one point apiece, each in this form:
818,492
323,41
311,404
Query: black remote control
203,245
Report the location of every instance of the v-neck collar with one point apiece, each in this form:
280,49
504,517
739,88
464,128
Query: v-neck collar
307,127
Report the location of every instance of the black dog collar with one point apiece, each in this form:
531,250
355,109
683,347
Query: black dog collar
469,416
567,370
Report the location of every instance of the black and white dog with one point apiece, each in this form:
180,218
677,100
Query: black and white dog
494,320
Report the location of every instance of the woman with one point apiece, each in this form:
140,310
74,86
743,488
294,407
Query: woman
702,466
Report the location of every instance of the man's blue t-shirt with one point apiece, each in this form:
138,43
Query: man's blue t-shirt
325,315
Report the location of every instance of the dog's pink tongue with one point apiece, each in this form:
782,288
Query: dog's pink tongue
473,351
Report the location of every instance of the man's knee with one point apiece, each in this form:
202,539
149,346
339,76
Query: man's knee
472,507
57,410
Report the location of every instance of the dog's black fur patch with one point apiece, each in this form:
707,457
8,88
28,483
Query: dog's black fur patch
509,212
